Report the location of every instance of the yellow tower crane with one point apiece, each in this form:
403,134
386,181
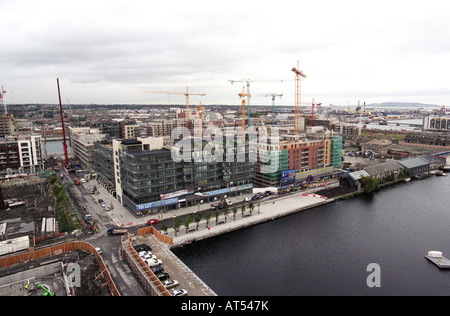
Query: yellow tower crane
242,95
186,94
298,110
200,109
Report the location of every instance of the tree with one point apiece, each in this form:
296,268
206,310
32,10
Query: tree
234,212
370,184
164,228
176,225
217,216
243,210
208,217
198,218
251,206
187,222
226,211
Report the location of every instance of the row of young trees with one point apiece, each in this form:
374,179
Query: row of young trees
198,217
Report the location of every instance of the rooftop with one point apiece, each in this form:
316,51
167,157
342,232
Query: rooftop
413,162
388,166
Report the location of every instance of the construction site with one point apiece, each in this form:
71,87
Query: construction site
70,269
28,209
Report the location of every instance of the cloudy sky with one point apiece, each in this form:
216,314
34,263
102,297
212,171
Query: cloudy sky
112,51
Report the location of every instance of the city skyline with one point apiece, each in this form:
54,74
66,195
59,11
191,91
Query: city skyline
111,52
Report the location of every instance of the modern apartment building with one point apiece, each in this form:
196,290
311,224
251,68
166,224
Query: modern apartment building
21,154
147,178
316,153
83,140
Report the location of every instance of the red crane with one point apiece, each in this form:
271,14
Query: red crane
66,162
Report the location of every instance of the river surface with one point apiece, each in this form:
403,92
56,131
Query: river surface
327,250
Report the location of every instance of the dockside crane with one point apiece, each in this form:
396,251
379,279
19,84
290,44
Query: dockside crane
298,111
186,94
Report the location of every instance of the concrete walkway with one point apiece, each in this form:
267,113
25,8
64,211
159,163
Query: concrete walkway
270,208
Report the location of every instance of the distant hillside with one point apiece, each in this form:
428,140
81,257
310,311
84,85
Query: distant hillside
401,104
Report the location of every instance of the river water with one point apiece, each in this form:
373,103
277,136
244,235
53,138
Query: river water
327,250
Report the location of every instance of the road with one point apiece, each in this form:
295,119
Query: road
118,268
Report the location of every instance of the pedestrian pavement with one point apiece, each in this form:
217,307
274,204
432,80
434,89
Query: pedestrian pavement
269,208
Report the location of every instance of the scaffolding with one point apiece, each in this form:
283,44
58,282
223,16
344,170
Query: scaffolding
336,151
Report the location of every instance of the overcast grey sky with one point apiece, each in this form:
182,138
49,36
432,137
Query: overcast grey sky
111,51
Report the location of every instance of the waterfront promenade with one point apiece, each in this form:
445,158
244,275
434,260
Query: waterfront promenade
269,209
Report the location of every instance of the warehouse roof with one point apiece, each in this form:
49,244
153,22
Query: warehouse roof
413,163
382,168
356,175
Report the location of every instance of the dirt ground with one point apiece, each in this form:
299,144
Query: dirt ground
27,218
335,192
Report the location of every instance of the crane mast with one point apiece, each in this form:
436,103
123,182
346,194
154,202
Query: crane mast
298,112
66,156
186,94
273,95
248,91
2,93
242,95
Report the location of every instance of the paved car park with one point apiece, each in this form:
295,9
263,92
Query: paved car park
176,269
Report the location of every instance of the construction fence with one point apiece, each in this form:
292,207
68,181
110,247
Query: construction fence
9,261
148,279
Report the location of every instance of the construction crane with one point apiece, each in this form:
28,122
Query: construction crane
248,91
313,104
298,114
66,155
242,95
186,94
200,109
2,93
273,95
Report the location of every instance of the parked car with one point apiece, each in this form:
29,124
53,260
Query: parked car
153,262
142,247
256,197
180,292
219,205
100,201
162,276
152,221
149,256
170,283
143,253
157,269
247,199
99,250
